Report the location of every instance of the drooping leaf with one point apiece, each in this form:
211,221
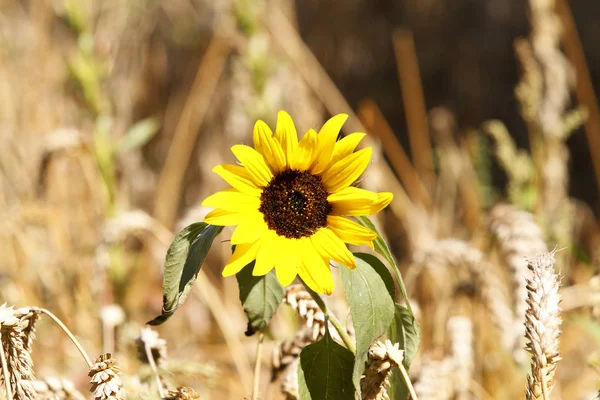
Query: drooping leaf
184,259
370,292
405,331
260,297
325,371
382,248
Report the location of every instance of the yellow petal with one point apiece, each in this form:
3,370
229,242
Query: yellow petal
243,255
269,147
344,172
285,132
383,200
326,142
349,231
303,154
239,178
249,231
331,247
255,164
232,200
315,271
286,267
352,193
346,145
265,259
221,217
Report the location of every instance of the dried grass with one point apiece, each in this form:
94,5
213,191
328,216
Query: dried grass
80,229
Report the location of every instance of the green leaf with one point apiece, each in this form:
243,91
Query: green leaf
184,259
325,371
382,248
405,331
138,135
260,297
370,291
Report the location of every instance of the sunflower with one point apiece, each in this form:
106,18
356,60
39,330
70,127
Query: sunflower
289,202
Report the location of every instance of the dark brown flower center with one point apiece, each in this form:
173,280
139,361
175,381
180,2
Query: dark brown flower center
294,204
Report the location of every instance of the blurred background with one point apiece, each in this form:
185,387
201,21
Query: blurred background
114,112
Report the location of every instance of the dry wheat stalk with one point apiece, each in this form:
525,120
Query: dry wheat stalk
285,355
158,346
56,389
518,237
434,380
448,259
288,351
17,328
542,325
106,383
301,301
383,357
182,393
289,383
461,342
314,329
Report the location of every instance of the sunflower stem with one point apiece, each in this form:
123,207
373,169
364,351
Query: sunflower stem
332,318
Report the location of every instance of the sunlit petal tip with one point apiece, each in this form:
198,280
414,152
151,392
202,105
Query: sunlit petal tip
337,121
285,133
347,170
261,126
286,276
243,255
383,200
221,217
254,162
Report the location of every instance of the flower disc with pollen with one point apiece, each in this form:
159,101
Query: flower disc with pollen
294,204
290,201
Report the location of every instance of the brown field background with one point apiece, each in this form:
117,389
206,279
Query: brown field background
113,113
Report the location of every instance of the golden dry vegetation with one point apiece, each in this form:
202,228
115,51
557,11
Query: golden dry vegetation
112,115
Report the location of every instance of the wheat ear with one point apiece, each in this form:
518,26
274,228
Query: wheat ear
542,326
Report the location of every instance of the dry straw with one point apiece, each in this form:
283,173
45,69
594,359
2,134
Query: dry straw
542,325
461,342
182,393
106,383
518,237
448,263
17,328
383,358
435,379
301,301
56,389
288,351
286,354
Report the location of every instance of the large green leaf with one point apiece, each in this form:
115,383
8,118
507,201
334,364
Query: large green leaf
260,297
382,248
325,371
370,291
184,259
405,331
